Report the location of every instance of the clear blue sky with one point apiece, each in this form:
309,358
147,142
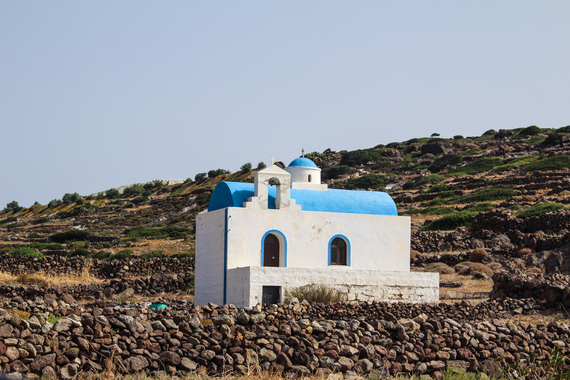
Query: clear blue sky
99,94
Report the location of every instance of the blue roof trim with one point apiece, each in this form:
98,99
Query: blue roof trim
234,194
304,162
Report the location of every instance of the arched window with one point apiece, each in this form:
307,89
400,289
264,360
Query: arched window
273,249
339,251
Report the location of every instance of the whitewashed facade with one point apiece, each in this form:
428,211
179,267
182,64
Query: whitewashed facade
257,241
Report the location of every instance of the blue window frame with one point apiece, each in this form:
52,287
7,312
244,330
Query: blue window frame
339,250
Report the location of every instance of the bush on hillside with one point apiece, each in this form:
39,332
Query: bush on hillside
246,168
336,171
429,179
451,221
367,181
445,162
360,157
215,173
173,232
539,209
529,131
28,252
101,255
13,206
122,255
84,252
200,177
551,163
71,198
555,138
151,255
72,235
133,190
112,194
479,166
261,165
489,194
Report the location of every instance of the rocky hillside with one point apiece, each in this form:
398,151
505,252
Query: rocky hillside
489,213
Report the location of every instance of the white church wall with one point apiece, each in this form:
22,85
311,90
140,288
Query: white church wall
363,285
377,242
209,267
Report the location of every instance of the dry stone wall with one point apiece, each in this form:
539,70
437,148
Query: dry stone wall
298,339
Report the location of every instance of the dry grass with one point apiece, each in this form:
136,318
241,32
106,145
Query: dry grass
44,279
469,284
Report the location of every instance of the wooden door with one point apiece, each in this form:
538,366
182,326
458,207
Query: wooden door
271,251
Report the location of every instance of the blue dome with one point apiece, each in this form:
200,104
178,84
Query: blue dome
303,162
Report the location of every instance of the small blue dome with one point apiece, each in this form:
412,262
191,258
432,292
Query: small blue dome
303,162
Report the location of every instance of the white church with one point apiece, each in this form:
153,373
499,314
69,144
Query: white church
287,229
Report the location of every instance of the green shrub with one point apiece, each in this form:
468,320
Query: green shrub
360,157
445,162
174,232
203,199
551,163
112,194
318,294
529,131
441,188
45,246
215,173
28,252
101,255
489,194
555,138
133,190
479,166
336,171
539,209
458,137
429,179
367,181
200,177
84,252
122,255
481,207
72,235
70,198
54,203
184,255
139,200
151,255
261,165
10,219
489,132
451,221
246,168
13,207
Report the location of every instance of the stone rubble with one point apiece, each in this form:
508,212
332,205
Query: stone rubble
57,338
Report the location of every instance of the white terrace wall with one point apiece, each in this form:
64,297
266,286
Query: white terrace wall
363,285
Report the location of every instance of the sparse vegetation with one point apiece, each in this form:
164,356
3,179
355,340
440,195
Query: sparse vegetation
444,162
361,157
367,181
317,294
336,171
451,221
173,232
72,235
552,163
539,209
